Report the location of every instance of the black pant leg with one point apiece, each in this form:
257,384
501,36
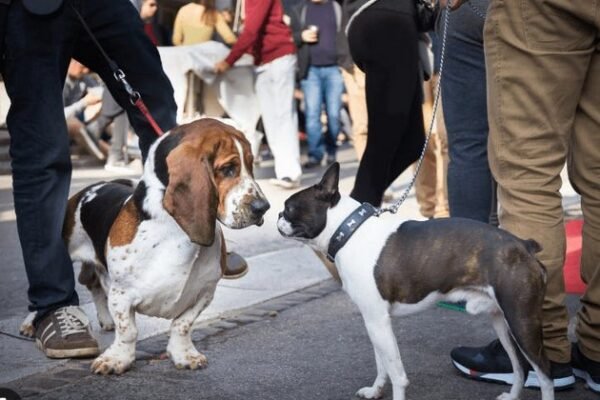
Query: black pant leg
118,28
384,43
37,55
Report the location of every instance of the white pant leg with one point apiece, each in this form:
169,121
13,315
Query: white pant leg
275,92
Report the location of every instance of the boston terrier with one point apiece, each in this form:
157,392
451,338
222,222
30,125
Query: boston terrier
393,267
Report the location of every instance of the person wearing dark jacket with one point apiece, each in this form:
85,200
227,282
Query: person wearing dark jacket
393,91
320,77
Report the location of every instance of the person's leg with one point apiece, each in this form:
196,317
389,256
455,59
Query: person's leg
584,173
117,154
334,87
357,106
109,111
39,148
275,93
391,87
312,87
425,184
441,162
119,30
465,114
413,139
537,59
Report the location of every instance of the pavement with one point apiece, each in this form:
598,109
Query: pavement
285,330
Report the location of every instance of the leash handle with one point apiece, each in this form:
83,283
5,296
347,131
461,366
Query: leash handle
135,98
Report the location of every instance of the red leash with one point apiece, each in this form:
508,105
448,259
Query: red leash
134,96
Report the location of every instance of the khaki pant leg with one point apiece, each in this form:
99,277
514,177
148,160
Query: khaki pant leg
537,57
442,208
426,182
357,106
584,172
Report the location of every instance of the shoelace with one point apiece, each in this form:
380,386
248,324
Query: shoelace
70,322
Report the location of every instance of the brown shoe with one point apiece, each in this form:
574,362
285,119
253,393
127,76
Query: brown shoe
65,333
236,266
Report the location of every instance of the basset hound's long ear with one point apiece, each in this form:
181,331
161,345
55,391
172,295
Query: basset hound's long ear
191,195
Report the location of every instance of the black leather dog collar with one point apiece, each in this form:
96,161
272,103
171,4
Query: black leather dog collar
345,231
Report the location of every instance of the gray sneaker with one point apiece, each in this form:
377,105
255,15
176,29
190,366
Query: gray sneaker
65,333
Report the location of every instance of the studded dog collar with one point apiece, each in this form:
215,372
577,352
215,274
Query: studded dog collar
350,225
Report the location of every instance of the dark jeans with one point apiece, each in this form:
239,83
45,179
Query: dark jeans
38,50
383,43
465,112
322,85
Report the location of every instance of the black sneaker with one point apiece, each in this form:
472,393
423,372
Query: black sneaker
491,364
586,369
65,333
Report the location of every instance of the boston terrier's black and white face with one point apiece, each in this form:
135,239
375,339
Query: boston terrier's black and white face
305,212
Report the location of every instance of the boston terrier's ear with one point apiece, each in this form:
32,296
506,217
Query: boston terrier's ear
329,184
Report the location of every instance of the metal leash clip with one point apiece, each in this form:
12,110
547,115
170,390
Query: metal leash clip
134,95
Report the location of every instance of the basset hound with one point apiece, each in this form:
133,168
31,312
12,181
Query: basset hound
154,246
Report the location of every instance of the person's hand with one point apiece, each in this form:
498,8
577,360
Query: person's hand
91,98
451,4
309,36
221,67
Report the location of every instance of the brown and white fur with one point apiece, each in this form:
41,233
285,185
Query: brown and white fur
155,247
394,267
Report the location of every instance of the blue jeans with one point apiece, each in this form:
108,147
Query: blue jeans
465,113
38,50
322,84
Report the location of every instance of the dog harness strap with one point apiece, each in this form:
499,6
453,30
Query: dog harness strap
350,225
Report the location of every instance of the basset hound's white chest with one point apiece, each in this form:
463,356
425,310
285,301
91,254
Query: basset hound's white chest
165,273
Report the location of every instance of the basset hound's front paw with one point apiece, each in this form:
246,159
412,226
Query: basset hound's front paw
190,359
110,363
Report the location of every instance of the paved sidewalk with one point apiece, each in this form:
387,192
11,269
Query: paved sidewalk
307,345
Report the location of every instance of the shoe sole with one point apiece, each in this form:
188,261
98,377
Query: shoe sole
585,376
68,353
236,276
283,184
508,378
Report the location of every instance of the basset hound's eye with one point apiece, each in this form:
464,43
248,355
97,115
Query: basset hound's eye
228,170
